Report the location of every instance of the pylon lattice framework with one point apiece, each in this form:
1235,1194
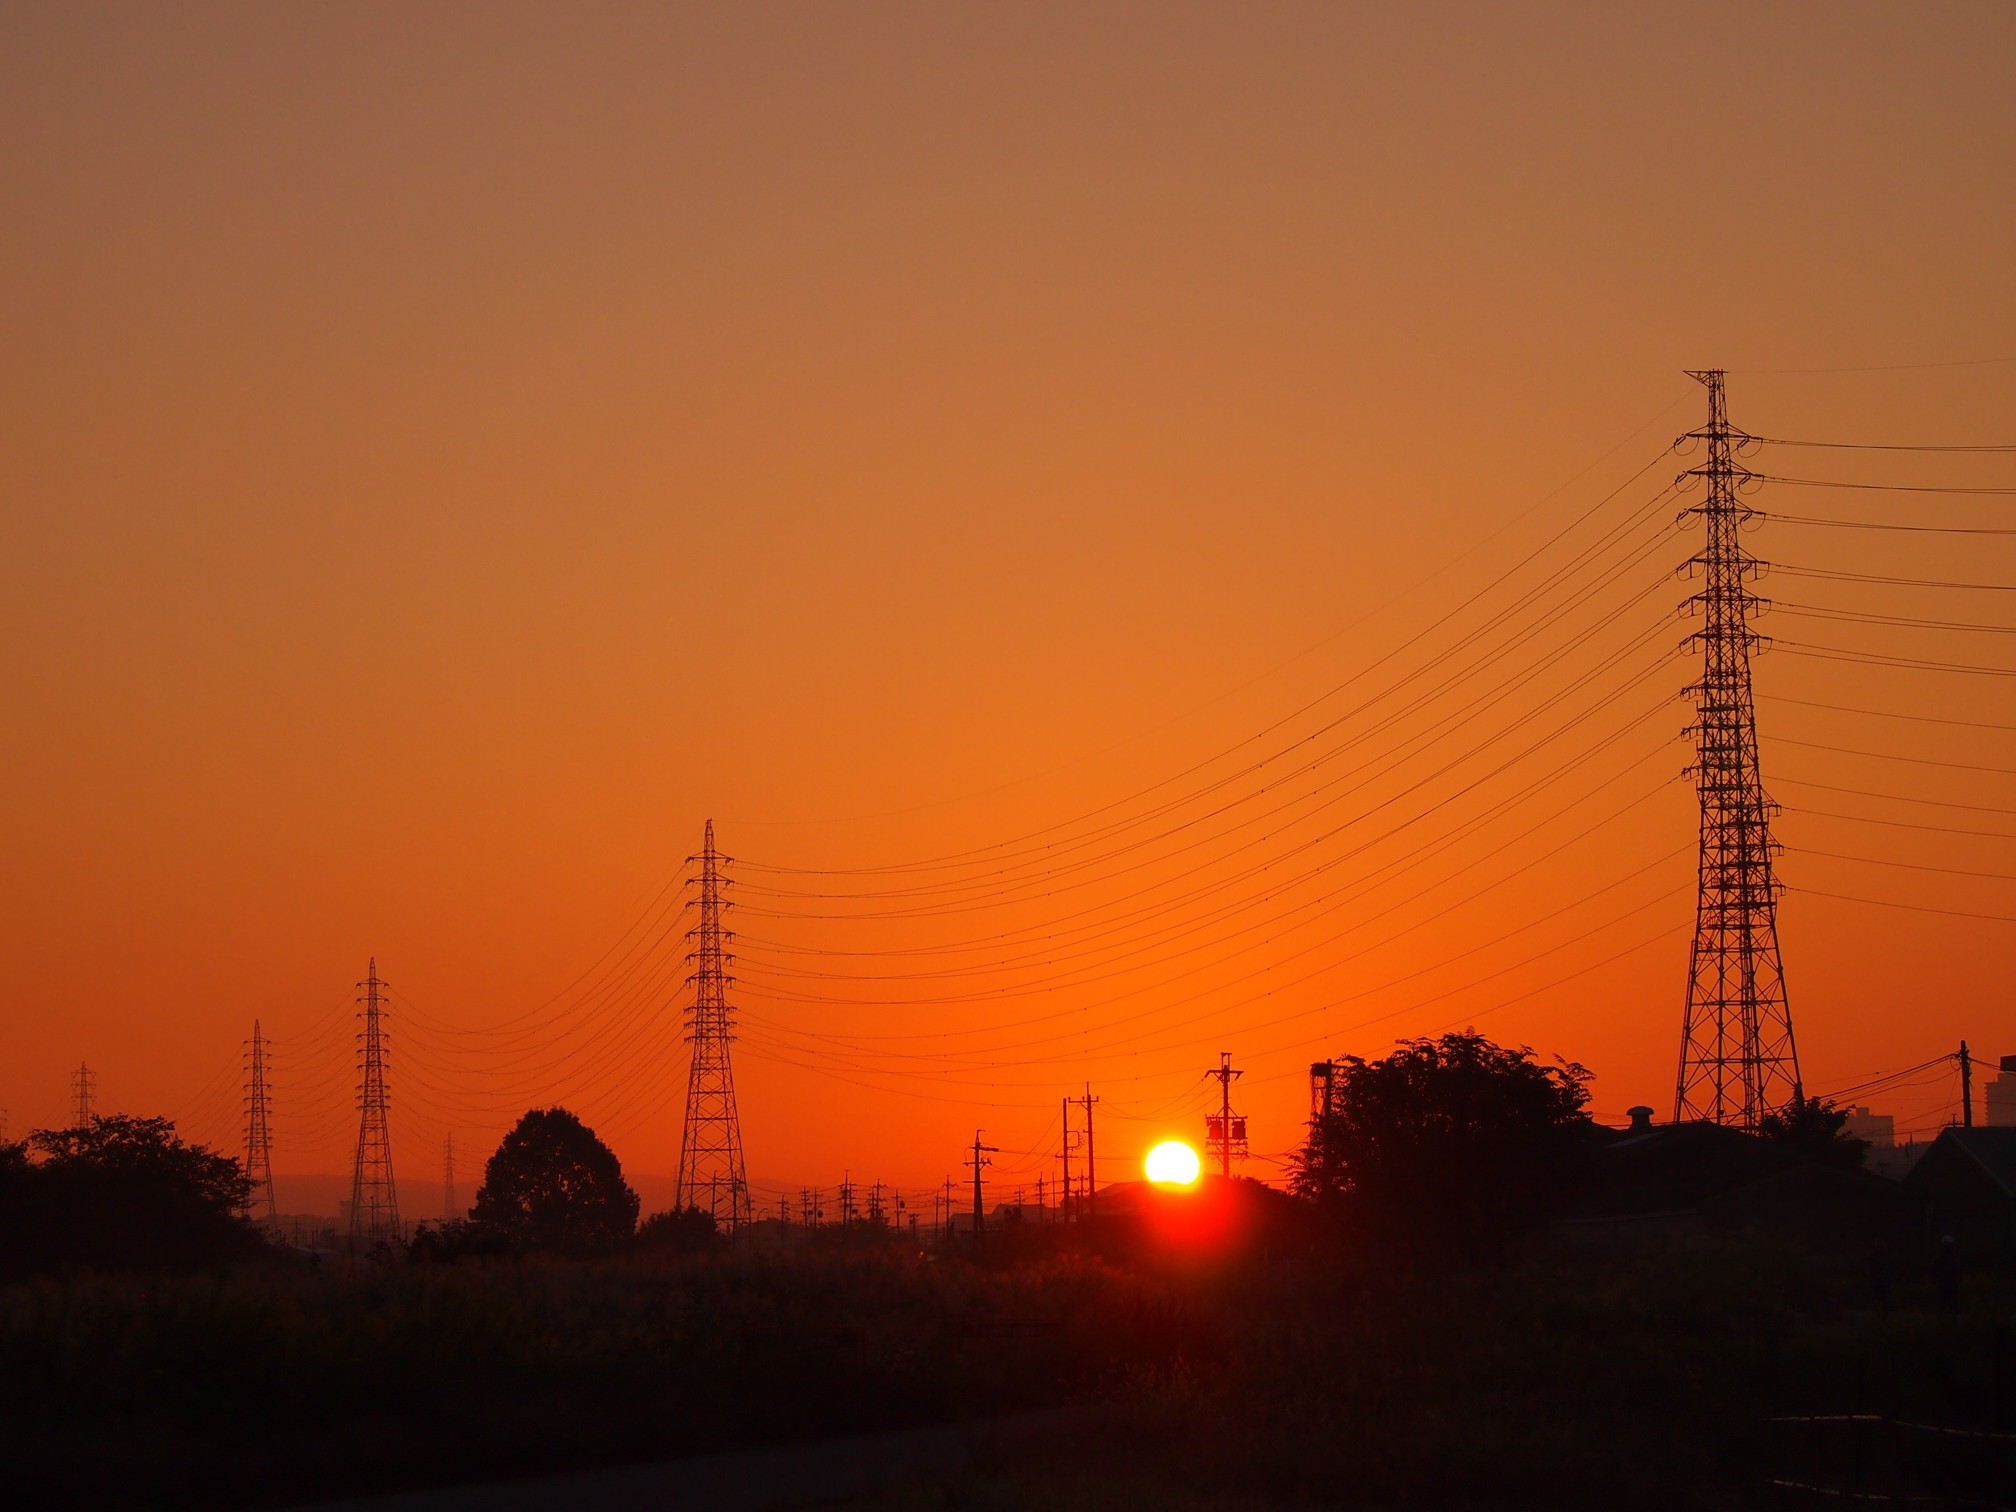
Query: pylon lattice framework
258,1132
374,1199
1737,1060
711,1173
84,1092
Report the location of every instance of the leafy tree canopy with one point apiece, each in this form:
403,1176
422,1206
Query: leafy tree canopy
552,1185
1818,1129
1453,1143
116,1147
120,1193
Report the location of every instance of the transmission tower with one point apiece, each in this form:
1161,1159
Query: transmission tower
258,1131
374,1200
84,1091
710,1150
1737,1060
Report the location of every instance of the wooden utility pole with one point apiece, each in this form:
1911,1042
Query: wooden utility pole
1064,1200
1225,1132
1966,1087
977,1161
1091,1156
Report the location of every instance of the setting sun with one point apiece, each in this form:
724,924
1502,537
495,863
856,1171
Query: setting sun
1172,1163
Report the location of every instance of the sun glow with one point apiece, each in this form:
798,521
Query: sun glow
1172,1163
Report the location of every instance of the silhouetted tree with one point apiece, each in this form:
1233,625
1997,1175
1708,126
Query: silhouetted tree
1817,1129
685,1231
119,1193
552,1185
1452,1144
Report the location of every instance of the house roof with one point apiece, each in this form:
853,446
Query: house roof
1993,1151
1677,1167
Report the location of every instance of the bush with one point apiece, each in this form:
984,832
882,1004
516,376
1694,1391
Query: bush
683,1231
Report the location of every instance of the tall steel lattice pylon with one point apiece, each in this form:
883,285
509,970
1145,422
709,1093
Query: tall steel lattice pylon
374,1200
259,1203
1737,1060
711,1174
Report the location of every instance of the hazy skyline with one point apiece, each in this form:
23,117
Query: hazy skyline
453,454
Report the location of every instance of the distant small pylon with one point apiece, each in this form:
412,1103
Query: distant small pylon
374,1199
711,1172
84,1092
258,1131
449,1206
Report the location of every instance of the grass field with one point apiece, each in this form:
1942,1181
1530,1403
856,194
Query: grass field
1623,1375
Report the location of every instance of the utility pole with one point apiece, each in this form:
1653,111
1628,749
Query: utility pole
1966,1087
875,1216
448,1203
951,1189
1225,1131
374,1199
1737,1058
258,1130
1091,1157
84,1093
847,1199
1066,1188
978,1160
710,1148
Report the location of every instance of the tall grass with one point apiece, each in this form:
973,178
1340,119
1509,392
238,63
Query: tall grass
1637,1376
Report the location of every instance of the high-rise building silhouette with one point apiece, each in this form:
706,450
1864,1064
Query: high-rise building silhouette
1737,1060
374,1199
259,1201
711,1173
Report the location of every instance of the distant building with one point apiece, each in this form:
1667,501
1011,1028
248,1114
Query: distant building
2001,1092
1880,1129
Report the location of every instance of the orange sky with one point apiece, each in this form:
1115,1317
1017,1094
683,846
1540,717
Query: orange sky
449,454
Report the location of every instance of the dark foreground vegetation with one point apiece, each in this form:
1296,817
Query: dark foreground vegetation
1633,1374
1446,1315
